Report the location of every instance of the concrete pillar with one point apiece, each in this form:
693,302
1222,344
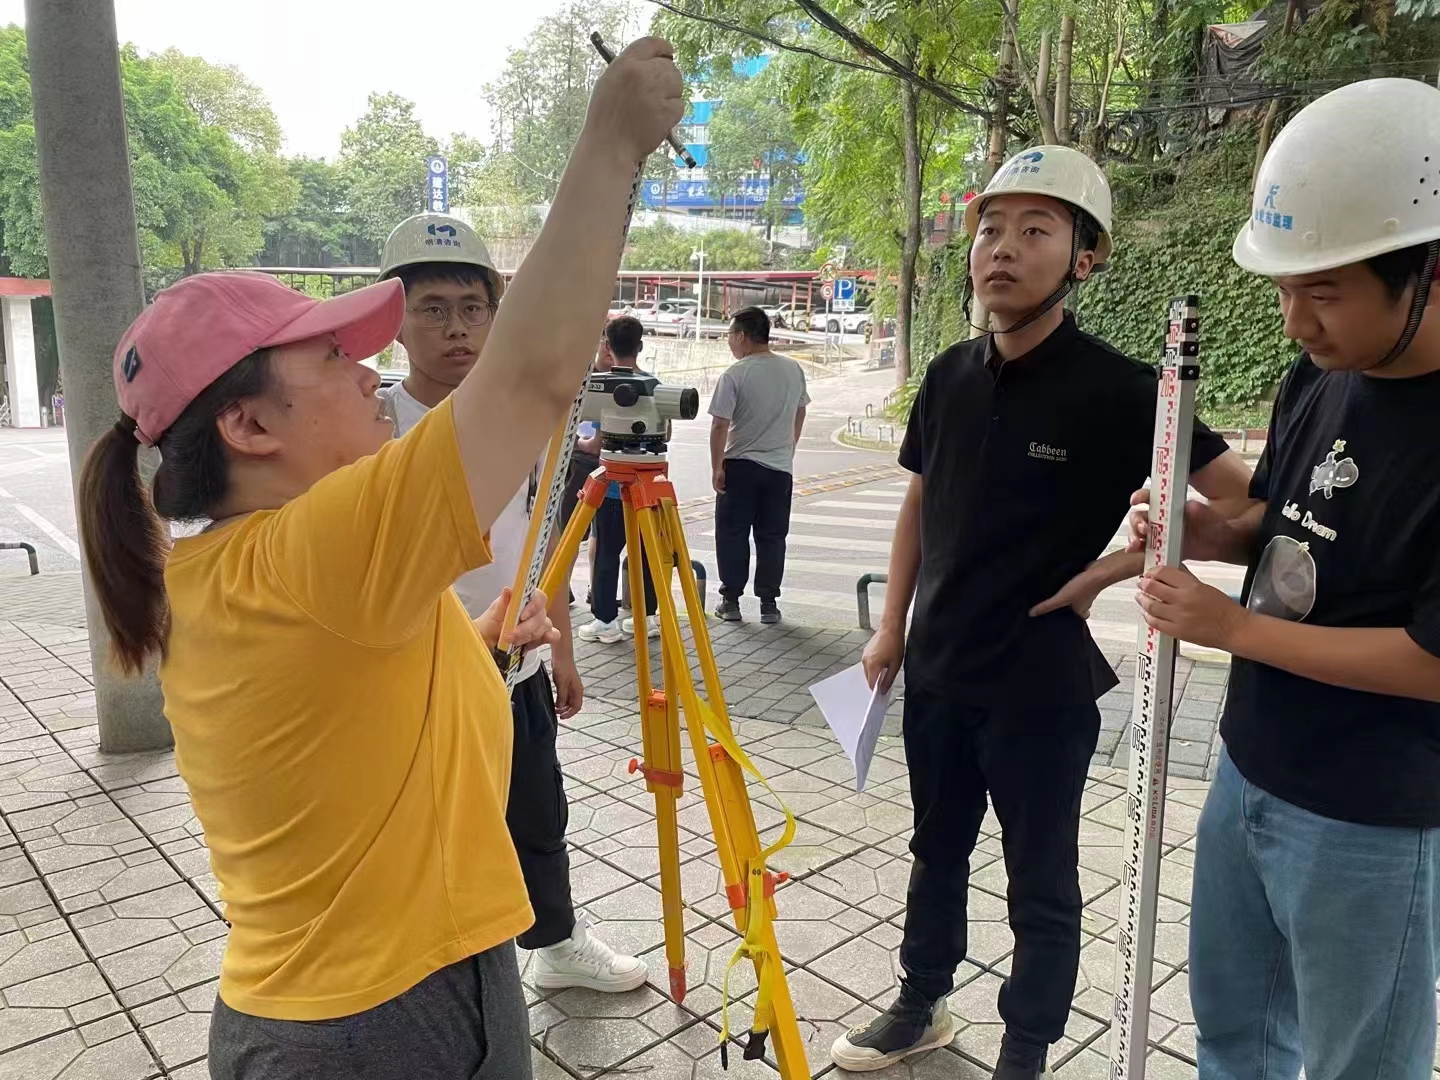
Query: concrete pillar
95,276
22,382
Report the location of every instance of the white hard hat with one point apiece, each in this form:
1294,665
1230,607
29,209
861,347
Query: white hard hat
1355,174
1060,172
438,238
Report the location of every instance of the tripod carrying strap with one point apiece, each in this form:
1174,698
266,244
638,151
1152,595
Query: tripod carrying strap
758,944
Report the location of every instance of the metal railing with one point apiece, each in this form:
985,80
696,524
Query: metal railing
862,596
29,550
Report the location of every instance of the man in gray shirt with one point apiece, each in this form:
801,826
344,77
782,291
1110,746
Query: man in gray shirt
758,410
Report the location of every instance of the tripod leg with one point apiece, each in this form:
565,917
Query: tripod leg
663,766
737,840
557,572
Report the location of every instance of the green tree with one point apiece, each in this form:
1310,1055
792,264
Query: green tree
382,164
486,184
658,247
732,249
220,96
538,102
201,195
664,247
878,147
318,230
752,132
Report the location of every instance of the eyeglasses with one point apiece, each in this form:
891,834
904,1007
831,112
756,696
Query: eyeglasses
435,316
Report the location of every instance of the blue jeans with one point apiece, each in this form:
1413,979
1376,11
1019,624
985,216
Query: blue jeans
1312,941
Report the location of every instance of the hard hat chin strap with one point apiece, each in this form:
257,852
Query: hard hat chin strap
1063,290
1417,307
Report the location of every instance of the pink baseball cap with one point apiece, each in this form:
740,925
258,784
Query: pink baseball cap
202,326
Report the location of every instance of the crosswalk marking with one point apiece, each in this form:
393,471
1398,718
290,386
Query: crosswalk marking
846,504
879,494
829,543
887,524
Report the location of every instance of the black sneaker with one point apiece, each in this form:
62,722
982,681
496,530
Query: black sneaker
1008,1070
911,1025
728,610
1021,1062
769,612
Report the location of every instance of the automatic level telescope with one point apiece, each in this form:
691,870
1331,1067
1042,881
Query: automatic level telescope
634,410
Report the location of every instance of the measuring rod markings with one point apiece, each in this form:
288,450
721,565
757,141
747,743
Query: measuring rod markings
1154,689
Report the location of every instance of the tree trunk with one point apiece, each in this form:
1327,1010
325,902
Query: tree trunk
1004,75
1032,84
1111,63
1272,111
910,244
1042,71
1062,79
1150,148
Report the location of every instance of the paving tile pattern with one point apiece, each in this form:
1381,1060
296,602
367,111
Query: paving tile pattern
111,932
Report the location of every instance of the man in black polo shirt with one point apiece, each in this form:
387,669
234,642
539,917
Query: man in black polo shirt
1025,445
1315,925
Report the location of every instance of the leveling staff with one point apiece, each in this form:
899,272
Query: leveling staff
452,291
1315,925
1024,445
341,726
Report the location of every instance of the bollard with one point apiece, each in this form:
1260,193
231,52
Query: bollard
695,564
29,550
862,596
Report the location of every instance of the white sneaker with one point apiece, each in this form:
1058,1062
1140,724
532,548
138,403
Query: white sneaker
652,626
586,961
607,633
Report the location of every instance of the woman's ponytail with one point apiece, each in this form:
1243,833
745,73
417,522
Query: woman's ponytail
125,547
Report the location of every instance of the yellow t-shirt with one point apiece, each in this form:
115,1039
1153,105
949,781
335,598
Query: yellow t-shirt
345,735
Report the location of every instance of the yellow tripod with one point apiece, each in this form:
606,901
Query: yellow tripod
651,520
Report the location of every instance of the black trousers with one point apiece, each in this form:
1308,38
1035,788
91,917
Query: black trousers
756,499
538,814
608,536
1032,762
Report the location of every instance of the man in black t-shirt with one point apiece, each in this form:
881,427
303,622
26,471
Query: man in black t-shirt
1315,921
1024,446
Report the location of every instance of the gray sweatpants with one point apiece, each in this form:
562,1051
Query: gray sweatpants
467,1021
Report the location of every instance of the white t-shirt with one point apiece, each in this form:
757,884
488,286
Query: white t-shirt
479,588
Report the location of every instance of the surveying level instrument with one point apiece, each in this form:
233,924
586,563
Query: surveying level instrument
1154,698
633,411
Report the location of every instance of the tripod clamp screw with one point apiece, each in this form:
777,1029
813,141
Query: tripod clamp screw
657,777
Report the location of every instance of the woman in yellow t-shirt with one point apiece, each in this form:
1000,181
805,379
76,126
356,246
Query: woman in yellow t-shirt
343,731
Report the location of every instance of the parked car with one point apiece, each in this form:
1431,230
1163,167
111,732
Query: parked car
618,308
791,315
787,315
644,310
676,316
840,322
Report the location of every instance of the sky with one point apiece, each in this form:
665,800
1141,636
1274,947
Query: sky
317,60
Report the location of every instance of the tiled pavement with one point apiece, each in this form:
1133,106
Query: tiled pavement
111,932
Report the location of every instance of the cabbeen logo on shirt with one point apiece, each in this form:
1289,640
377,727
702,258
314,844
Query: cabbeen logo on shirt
1046,452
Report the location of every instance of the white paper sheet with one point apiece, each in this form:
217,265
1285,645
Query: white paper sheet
855,713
